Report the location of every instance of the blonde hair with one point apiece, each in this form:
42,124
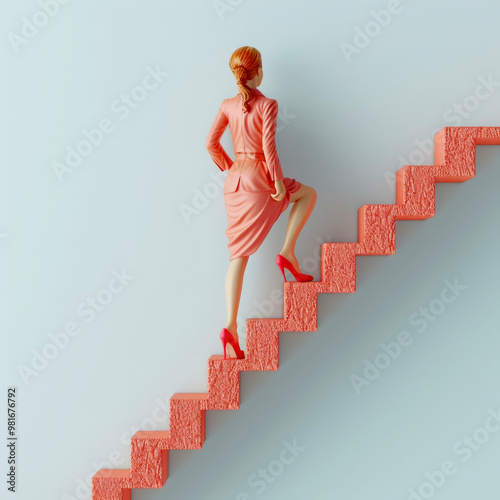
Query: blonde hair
244,63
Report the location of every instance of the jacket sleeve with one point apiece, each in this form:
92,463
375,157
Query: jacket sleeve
269,122
213,145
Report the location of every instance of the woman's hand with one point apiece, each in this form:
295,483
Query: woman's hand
280,190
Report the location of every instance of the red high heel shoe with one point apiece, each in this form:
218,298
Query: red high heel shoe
225,336
286,264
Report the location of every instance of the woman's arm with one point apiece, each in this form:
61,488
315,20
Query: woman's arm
269,122
213,145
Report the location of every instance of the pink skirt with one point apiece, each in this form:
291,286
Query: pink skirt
251,215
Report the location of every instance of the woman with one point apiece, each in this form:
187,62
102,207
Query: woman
255,191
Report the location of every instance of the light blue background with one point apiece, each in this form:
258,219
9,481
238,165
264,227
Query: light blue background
121,209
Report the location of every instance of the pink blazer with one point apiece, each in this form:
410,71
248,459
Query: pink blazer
253,136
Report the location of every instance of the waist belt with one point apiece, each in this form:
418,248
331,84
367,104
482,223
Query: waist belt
250,156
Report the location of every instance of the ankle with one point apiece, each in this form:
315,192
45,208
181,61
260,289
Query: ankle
288,254
232,328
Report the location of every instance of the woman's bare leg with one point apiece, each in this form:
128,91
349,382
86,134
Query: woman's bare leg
233,285
303,203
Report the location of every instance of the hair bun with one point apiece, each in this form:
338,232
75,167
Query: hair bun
241,74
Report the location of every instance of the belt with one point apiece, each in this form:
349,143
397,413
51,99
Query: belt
250,156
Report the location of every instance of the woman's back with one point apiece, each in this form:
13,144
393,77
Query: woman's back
252,132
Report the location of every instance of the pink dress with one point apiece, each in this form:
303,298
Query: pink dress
251,212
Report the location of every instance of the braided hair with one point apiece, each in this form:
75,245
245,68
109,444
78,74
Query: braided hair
245,63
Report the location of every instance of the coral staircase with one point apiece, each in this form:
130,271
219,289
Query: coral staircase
454,161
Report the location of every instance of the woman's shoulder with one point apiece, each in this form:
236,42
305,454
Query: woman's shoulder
265,102
264,99
259,101
256,95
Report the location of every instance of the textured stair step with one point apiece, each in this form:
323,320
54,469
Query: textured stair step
263,343
111,484
187,420
338,267
149,459
377,229
415,192
223,383
455,152
300,306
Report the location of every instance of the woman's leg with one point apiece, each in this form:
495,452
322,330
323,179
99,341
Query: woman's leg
303,201
234,284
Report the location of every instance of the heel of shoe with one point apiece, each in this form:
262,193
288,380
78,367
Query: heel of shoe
225,336
286,264
282,272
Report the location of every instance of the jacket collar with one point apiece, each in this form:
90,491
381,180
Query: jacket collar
255,91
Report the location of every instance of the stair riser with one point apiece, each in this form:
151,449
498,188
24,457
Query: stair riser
186,424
